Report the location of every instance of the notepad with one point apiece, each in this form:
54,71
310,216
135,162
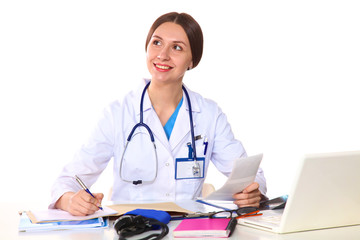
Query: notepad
56,215
205,228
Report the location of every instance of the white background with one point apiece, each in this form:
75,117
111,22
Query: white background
286,74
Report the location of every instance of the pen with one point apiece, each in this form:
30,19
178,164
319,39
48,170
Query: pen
85,188
231,225
250,214
206,145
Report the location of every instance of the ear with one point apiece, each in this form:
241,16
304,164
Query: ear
191,66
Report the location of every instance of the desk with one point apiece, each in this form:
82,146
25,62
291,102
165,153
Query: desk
9,230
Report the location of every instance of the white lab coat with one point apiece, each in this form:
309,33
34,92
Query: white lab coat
109,138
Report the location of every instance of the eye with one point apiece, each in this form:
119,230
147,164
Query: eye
177,48
156,43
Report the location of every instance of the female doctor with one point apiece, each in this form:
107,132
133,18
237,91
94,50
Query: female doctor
166,155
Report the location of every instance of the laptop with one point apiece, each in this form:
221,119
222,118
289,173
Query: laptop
325,194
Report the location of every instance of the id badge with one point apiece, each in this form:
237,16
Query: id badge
187,168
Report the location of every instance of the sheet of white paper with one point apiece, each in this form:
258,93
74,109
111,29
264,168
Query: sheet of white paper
60,215
242,175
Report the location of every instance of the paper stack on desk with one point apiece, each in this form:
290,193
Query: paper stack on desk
56,215
26,225
56,219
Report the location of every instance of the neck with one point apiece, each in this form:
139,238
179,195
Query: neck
165,94
165,98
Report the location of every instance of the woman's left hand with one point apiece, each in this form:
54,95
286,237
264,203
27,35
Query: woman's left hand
250,197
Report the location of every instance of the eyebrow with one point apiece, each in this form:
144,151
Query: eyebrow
156,36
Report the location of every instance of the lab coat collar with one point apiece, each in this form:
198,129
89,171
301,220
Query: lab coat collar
194,101
182,124
147,103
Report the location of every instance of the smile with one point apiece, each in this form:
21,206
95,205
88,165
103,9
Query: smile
162,67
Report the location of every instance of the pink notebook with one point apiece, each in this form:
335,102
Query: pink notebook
205,227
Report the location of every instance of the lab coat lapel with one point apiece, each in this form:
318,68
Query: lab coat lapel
181,127
155,125
153,121
182,123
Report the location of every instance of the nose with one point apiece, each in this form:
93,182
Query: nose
163,54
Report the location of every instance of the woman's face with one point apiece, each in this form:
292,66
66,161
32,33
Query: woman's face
168,54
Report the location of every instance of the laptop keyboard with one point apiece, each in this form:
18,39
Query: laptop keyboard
271,219
268,220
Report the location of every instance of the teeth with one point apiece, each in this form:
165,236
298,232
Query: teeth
162,67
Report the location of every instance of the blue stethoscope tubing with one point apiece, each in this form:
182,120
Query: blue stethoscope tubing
196,166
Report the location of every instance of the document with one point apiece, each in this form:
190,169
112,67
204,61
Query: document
242,175
26,225
56,215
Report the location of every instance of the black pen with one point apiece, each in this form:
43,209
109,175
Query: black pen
231,225
85,188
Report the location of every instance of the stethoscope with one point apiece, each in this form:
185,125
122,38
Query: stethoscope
195,168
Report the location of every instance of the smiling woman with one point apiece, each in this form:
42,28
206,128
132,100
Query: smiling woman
169,52
285,73
163,157
189,25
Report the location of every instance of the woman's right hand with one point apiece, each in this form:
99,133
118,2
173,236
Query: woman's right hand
80,203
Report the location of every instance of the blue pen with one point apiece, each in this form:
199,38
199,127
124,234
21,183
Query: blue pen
85,188
206,145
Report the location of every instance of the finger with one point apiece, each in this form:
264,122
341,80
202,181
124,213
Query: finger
86,208
99,196
86,203
248,202
88,199
85,196
245,195
252,187
248,199
78,208
82,211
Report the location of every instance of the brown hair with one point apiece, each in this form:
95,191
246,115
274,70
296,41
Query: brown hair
191,28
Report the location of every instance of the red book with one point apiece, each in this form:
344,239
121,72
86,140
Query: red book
205,228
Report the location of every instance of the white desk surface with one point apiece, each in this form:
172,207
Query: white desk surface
10,220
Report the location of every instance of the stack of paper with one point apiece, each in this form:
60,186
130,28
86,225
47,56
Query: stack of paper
55,219
55,215
26,225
